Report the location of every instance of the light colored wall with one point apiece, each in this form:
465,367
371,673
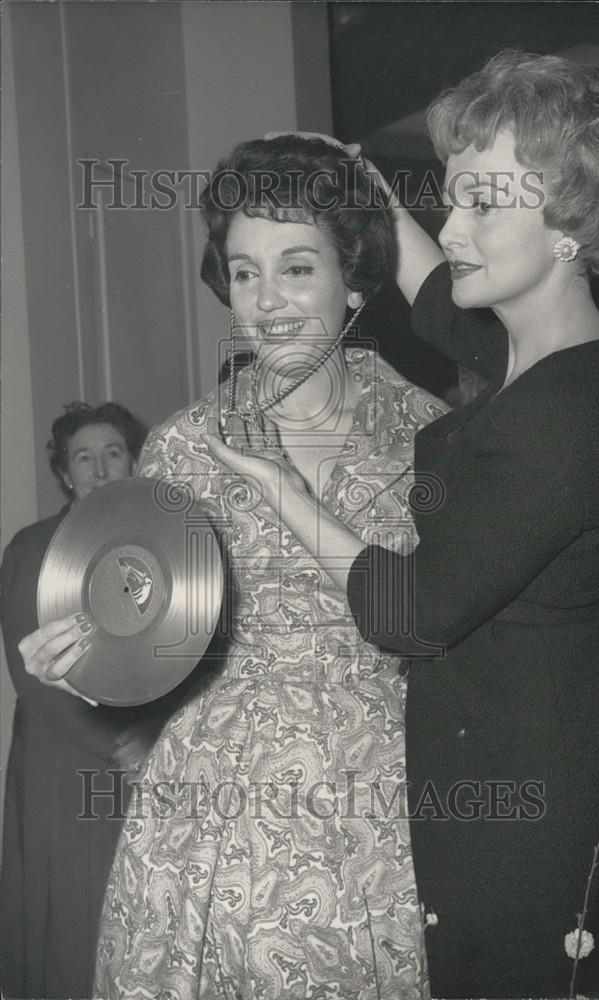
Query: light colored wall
104,287
18,504
240,84
47,240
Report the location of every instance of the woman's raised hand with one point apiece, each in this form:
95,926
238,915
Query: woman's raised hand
352,149
51,651
417,253
354,152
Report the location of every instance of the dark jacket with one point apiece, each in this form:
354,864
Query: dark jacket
503,718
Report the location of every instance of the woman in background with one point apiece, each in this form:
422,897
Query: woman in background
55,865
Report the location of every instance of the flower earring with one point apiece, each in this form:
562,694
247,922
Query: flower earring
566,249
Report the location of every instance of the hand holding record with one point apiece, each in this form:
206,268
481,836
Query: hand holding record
51,651
129,593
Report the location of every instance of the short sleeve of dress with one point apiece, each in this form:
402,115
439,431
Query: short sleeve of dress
177,450
153,459
474,338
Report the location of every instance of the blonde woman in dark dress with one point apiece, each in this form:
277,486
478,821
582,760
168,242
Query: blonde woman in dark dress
502,731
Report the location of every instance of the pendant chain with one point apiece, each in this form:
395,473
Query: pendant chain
256,407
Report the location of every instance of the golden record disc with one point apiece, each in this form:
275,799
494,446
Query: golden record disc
141,559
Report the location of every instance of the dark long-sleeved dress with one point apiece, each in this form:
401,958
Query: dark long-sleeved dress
503,728
55,865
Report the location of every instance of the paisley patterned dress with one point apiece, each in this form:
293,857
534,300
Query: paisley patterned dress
266,854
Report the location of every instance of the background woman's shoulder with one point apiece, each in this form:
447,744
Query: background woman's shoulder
35,537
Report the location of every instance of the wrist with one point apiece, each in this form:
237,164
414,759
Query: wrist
399,212
272,486
285,485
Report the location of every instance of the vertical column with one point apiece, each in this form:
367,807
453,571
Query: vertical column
18,503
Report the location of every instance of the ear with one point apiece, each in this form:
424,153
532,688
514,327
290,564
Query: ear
67,481
134,466
354,299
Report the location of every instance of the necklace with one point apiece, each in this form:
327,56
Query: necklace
254,410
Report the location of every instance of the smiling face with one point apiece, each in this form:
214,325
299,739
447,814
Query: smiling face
495,238
287,290
97,454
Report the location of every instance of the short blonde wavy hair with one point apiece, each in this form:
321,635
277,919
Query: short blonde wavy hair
552,106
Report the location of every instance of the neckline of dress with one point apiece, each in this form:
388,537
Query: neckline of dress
552,354
357,430
354,430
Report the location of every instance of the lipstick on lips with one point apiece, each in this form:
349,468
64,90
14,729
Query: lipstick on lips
461,268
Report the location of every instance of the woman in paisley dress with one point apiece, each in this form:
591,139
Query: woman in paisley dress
266,854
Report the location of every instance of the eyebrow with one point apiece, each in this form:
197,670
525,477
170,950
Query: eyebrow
110,444
284,253
476,184
489,184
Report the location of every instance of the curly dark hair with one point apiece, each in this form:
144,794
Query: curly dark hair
294,179
552,106
78,415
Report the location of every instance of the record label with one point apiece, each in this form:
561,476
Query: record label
126,590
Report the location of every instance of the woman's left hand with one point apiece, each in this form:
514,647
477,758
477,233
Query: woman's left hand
257,454
354,151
